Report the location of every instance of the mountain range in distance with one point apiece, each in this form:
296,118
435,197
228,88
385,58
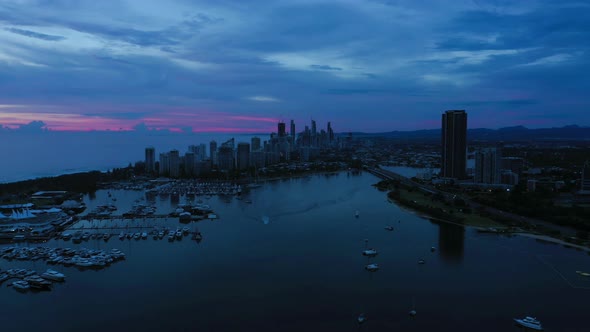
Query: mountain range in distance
517,133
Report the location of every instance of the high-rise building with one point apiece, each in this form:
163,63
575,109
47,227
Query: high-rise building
454,144
282,129
225,158
292,134
488,163
255,143
230,143
213,152
150,160
585,183
200,151
164,164
174,161
243,155
330,133
314,134
189,163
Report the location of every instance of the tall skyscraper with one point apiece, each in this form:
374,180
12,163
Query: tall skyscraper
189,163
202,152
330,133
225,158
454,144
255,143
488,163
585,185
164,164
213,152
150,160
282,129
243,155
292,134
174,160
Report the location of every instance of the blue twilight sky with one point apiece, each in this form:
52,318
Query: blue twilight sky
240,66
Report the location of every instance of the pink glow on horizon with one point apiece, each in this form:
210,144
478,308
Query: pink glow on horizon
175,119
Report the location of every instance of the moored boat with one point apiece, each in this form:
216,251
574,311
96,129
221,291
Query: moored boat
372,267
370,252
53,275
530,323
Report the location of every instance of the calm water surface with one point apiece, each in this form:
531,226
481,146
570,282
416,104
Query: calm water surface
303,271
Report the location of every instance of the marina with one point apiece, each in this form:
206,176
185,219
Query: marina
303,238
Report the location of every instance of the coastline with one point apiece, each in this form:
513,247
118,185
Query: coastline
499,230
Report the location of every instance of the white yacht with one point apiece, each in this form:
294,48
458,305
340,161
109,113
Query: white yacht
389,228
144,235
20,285
53,275
179,234
370,252
185,230
372,267
530,323
136,236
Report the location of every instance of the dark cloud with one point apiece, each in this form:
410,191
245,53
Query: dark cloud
33,34
33,127
324,67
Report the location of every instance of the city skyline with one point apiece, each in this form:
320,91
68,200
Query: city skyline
372,66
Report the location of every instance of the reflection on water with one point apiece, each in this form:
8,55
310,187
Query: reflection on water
288,257
451,239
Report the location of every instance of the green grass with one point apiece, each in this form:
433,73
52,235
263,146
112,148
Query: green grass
471,219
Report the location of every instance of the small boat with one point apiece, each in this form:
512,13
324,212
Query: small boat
129,235
85,236
136,236
171,237
421,261
356,213
121,236
185,230
21,285
370,252
361,318
178,234
584,274
144,235
412,313
106,237
161,235
372,267
530,323
432,249
66,236
389,228
197,237
53,275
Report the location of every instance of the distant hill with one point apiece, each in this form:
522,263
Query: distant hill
518,133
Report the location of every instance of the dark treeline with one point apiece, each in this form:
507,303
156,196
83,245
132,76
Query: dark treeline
85,182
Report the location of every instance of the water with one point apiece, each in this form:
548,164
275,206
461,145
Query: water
33,155
291,261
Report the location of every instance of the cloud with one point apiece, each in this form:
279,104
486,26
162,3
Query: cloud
37,35
113,65
264,99
33,127
325,67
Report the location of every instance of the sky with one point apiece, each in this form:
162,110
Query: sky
242,66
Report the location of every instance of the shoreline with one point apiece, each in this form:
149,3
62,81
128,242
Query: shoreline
540,237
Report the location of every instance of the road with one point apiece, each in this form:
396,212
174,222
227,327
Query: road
389,175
